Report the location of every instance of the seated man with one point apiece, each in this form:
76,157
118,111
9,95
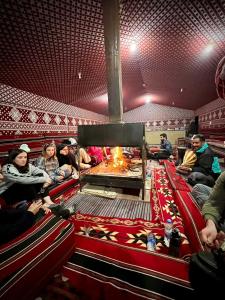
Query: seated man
165,150
213,211
206,168
207,267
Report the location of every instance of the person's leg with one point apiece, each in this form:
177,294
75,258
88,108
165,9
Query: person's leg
201,193
162,155
197,177
84,156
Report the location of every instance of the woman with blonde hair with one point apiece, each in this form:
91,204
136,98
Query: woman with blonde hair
50,164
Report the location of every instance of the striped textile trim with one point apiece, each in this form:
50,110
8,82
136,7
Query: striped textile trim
192,218
118,208
23,237
19,254
173,268
145,270
177,181
121,275
61,247
29,243
117,284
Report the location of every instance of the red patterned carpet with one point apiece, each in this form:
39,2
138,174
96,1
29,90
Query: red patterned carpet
105,270
111,258
132,233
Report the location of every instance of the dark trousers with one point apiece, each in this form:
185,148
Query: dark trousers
18,192
198,177
158,155
13,222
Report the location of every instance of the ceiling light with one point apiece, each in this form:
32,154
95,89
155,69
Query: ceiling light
79,75
103,98
148,99
133,47
208,49
181,90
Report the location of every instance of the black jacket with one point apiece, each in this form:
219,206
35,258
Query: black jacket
204,163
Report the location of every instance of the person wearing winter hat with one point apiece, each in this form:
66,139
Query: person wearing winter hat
73,142
85,158
25,148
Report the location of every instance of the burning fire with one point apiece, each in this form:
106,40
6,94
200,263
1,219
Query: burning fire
117,157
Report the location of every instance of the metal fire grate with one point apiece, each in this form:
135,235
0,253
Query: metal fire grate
118,208
123,135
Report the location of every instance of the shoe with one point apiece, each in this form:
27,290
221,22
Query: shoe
55,208
72,209
65,213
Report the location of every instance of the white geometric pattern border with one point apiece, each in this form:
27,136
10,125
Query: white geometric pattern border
212,115
160,117
16,97
21,120
152,112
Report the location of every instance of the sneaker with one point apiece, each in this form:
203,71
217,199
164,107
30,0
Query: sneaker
72,209
55,208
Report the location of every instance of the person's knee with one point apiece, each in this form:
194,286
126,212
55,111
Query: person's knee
84,156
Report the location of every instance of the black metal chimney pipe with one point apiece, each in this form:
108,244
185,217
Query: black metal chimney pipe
111,20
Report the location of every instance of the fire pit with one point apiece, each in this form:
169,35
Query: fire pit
118,171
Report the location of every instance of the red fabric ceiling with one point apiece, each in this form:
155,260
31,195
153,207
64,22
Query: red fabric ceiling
45,44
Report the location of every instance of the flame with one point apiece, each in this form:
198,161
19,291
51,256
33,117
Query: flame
118,159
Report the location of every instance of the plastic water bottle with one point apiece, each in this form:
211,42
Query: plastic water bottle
148,170
175,242
151,242
168,231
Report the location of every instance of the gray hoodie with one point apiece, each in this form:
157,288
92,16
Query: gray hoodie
12,175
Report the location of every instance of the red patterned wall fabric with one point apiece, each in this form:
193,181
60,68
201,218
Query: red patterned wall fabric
212,115
25,113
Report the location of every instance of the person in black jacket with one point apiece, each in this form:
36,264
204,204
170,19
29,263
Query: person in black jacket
14,222
206,168
67,161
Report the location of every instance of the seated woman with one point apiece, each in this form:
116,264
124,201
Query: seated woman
67,161
23,181
85,158
96,154
50,164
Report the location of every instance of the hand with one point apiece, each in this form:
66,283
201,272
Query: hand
34,207
59,178
62,173
46,209
208,234
220,238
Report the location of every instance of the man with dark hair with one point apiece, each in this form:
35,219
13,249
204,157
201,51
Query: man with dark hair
165,146
206,168
165,149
